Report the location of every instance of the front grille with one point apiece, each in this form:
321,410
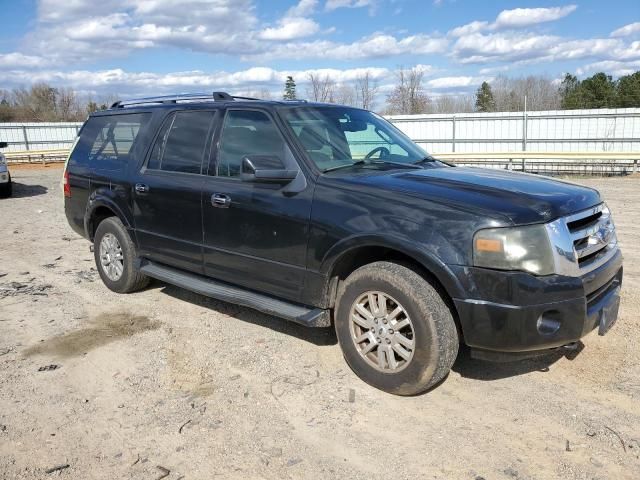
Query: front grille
593,235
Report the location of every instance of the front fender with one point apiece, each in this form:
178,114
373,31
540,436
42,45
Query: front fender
427,259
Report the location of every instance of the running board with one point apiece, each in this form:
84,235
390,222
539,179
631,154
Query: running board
309,317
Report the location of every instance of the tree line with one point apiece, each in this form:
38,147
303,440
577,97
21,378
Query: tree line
408,95
44,103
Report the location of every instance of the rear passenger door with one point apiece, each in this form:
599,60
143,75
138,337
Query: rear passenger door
167,191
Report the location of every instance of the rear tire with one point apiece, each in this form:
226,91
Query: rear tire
400,312
115,253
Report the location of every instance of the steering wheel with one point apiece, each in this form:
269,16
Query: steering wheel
384,152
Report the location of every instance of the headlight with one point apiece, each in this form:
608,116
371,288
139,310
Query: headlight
519,248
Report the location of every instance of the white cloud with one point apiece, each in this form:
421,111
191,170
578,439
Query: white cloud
455,82
627,30
524,17
335,4
302,8
375,46
612,67
18,60
516,18
290,28
141,83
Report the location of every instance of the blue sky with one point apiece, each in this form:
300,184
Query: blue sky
131,47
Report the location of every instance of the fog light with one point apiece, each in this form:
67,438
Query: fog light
549,322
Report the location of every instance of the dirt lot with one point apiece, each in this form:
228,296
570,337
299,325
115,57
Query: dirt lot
166,379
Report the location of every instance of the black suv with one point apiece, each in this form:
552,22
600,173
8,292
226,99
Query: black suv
329,215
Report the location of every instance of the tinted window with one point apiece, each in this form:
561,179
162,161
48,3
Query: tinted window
106,141
180,144
247,133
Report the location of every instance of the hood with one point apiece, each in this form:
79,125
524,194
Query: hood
520,197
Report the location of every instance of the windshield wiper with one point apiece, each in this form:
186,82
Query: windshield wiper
348,165
428,158
400,164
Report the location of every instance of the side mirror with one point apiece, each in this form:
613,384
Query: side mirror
265,169
4,144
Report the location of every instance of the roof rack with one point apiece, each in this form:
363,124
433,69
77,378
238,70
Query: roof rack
184,97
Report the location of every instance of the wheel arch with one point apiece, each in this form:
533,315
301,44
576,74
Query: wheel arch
99,209
363,251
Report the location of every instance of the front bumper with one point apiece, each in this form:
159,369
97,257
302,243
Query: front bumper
519,312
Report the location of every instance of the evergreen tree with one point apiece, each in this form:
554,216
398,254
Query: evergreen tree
289,89
484,99
628,91
570,94
598,91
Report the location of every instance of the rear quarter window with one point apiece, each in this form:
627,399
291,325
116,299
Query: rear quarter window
106,142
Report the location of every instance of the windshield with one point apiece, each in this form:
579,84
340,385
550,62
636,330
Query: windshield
341,136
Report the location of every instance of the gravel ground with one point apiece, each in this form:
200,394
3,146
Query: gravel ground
165,381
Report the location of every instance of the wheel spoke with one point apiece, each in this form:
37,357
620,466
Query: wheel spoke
391,358
395,313
364,312
381,358
373,303
400,350
401,324
369,347
361,321
404,341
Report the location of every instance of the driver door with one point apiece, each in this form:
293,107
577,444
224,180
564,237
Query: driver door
255,234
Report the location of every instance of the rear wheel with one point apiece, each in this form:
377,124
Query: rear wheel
115,253
395,328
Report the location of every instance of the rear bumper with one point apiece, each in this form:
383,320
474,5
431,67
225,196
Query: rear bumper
519,312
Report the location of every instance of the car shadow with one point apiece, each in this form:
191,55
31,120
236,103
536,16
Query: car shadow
22,190
484,370
317,336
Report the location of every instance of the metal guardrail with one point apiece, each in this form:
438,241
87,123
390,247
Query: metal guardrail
37,156
557,163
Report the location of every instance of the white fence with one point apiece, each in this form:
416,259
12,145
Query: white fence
38,136
587,131
605,141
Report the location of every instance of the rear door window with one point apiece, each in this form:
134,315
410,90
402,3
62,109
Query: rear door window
106,142
181,143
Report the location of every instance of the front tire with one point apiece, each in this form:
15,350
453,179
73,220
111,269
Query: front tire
396,331
114,253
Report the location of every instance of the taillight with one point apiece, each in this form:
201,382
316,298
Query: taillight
66,188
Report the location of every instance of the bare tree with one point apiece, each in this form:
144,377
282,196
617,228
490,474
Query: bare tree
321,88
68,106
541,93
408,96
36,104
451,104
366,91
345,94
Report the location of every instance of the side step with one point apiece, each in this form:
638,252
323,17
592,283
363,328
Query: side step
309,317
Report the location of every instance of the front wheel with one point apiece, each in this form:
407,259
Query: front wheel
395,329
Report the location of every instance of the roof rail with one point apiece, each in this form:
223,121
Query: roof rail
184,97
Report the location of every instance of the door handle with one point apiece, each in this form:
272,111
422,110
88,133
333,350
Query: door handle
142,188
220,200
